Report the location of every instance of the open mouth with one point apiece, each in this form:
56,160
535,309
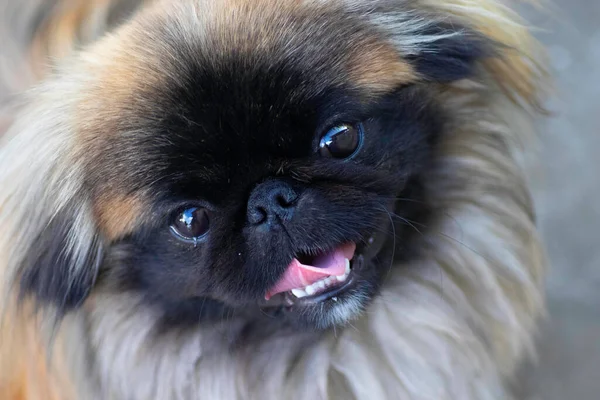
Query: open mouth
318,277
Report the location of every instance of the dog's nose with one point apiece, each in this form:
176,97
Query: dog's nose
271,203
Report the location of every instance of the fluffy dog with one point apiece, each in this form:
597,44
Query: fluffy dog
264,199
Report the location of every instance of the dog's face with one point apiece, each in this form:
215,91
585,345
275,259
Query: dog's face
248,158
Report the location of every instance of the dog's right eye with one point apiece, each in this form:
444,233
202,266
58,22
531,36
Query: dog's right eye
191,224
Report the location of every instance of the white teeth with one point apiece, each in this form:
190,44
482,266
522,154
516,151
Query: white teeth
342,278
323,283
299,293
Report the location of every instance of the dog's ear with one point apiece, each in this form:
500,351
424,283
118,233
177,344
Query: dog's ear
62,262
438,50
448,53
449,43
50,247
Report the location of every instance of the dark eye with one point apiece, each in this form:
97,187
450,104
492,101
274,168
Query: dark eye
341,141
191,223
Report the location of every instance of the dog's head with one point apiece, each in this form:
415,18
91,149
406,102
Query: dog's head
242,157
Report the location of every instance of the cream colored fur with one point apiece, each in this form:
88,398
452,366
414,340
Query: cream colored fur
452,325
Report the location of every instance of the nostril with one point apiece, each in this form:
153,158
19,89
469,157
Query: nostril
284,201
257,215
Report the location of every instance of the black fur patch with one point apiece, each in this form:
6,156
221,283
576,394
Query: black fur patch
51,272
218,152
214,129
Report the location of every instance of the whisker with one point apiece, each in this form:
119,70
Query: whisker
264,313
334,330
354,327
202,307
394,244
409,223
409,200
445,235
406,200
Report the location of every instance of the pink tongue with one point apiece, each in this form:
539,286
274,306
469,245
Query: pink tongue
299,275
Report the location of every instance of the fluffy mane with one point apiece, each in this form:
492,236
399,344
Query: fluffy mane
452,325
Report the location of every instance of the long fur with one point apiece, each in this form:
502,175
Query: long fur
451,326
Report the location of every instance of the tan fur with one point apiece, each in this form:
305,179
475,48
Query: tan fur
451,326
374,66
116,77
69,25
378,68
118,216
119,64
27,373
63,29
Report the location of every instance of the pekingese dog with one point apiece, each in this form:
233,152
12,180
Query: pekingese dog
269,199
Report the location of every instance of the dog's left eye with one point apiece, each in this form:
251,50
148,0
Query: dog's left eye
341,141
191,223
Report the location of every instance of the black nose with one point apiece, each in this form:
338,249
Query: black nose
271,202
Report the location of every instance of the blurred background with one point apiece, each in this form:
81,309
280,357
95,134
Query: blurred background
566,189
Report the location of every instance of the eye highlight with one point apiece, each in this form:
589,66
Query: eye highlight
191,224
341,141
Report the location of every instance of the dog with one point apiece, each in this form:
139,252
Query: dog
261,199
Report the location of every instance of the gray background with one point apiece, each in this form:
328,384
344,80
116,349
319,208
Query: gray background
566,191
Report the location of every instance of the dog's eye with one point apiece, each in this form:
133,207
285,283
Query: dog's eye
341,141
191,224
